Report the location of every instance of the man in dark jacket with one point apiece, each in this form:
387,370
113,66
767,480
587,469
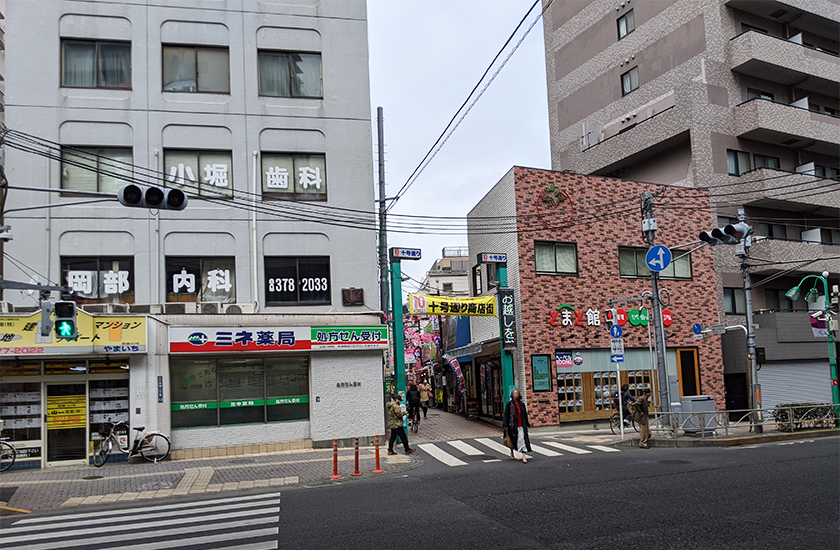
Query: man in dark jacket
413,398
640,416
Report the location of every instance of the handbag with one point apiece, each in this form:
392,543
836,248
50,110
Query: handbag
507,441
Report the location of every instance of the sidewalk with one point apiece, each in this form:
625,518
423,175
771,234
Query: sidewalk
120,481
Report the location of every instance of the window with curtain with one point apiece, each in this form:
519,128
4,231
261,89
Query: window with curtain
196,69
95,64
95,169
555,258
763,161
631,263
630,81
289,74
734,301
626,24
294,176
737,162
200,173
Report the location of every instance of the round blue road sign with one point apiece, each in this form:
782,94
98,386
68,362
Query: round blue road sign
616,331
697,328
658,258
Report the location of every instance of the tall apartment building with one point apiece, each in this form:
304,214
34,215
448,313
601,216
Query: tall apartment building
261,114
741,97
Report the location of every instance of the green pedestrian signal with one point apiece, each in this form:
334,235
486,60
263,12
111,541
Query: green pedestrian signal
65,320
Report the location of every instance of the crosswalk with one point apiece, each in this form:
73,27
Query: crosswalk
462,453
248,522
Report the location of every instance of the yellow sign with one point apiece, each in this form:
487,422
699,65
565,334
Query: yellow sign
20,335
65,412
484,306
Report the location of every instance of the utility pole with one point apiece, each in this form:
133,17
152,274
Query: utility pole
383,230
649,232
743,252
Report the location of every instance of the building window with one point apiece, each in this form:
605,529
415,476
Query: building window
826,172
229,391
831,111
629,81
762,161
447,287
555,258
829,236
99,280
290,280
95,64
774,230
196,69
745,28
734,301
477,287
626,24
752,93
723,221
631,263
294,176
776,300
737,162
95,169
288,74
191,279
200,173
492,275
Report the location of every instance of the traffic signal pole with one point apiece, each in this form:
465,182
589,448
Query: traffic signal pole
743,251
649,231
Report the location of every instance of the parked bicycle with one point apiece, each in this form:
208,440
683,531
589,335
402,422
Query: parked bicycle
153,446
7,454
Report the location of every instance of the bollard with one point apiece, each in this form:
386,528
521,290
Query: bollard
357,472
335,460
378,470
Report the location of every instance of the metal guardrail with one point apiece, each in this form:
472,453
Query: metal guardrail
709,424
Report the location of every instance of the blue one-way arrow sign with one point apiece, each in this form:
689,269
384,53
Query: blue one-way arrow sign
616,358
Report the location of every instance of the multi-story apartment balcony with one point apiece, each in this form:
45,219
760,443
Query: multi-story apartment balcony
768,121
781,60
773,188
787,253
819,17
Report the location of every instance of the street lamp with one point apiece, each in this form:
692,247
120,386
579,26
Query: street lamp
811,297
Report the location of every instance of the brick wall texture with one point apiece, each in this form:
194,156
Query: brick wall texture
607,214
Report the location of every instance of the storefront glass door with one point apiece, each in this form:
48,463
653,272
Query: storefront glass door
66,418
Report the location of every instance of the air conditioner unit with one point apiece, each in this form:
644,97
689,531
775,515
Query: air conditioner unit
210,308
106,308
177,308
6,307
237,309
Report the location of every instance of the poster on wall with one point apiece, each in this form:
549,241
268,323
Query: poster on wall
540,372
564,360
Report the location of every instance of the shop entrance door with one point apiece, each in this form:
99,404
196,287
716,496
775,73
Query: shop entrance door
689,371
66,420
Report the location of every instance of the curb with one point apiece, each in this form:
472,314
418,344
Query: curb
731,441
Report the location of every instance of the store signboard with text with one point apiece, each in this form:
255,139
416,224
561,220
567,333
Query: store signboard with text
272,338
421,304
21,335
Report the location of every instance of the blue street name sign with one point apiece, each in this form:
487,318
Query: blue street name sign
616,358
658,258
485,258
616,331
697,328
405,253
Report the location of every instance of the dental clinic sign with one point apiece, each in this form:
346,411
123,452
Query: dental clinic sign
272,339
568,316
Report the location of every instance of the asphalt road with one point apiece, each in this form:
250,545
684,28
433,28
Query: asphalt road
754,497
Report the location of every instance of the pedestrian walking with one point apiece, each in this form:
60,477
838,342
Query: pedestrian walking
516,423
640,416
395,422
425,394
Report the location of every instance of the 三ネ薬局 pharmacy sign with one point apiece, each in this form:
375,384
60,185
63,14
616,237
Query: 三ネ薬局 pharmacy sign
234,339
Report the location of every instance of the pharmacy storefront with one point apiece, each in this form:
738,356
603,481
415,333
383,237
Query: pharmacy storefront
235,385
57,395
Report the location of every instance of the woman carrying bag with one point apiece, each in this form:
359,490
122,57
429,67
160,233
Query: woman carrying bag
516,426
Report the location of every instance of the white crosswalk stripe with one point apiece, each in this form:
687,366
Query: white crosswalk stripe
457,452
235,522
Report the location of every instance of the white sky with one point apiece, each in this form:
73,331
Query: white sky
425,57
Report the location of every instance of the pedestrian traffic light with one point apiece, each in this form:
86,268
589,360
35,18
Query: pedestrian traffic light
65,320
46,317
611,317
152,197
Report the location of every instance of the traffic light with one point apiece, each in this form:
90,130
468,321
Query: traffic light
152,197
731,234
65,320
611,317
46,317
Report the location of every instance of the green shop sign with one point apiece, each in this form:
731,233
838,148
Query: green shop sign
288,400
194,406
349,337
242,403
